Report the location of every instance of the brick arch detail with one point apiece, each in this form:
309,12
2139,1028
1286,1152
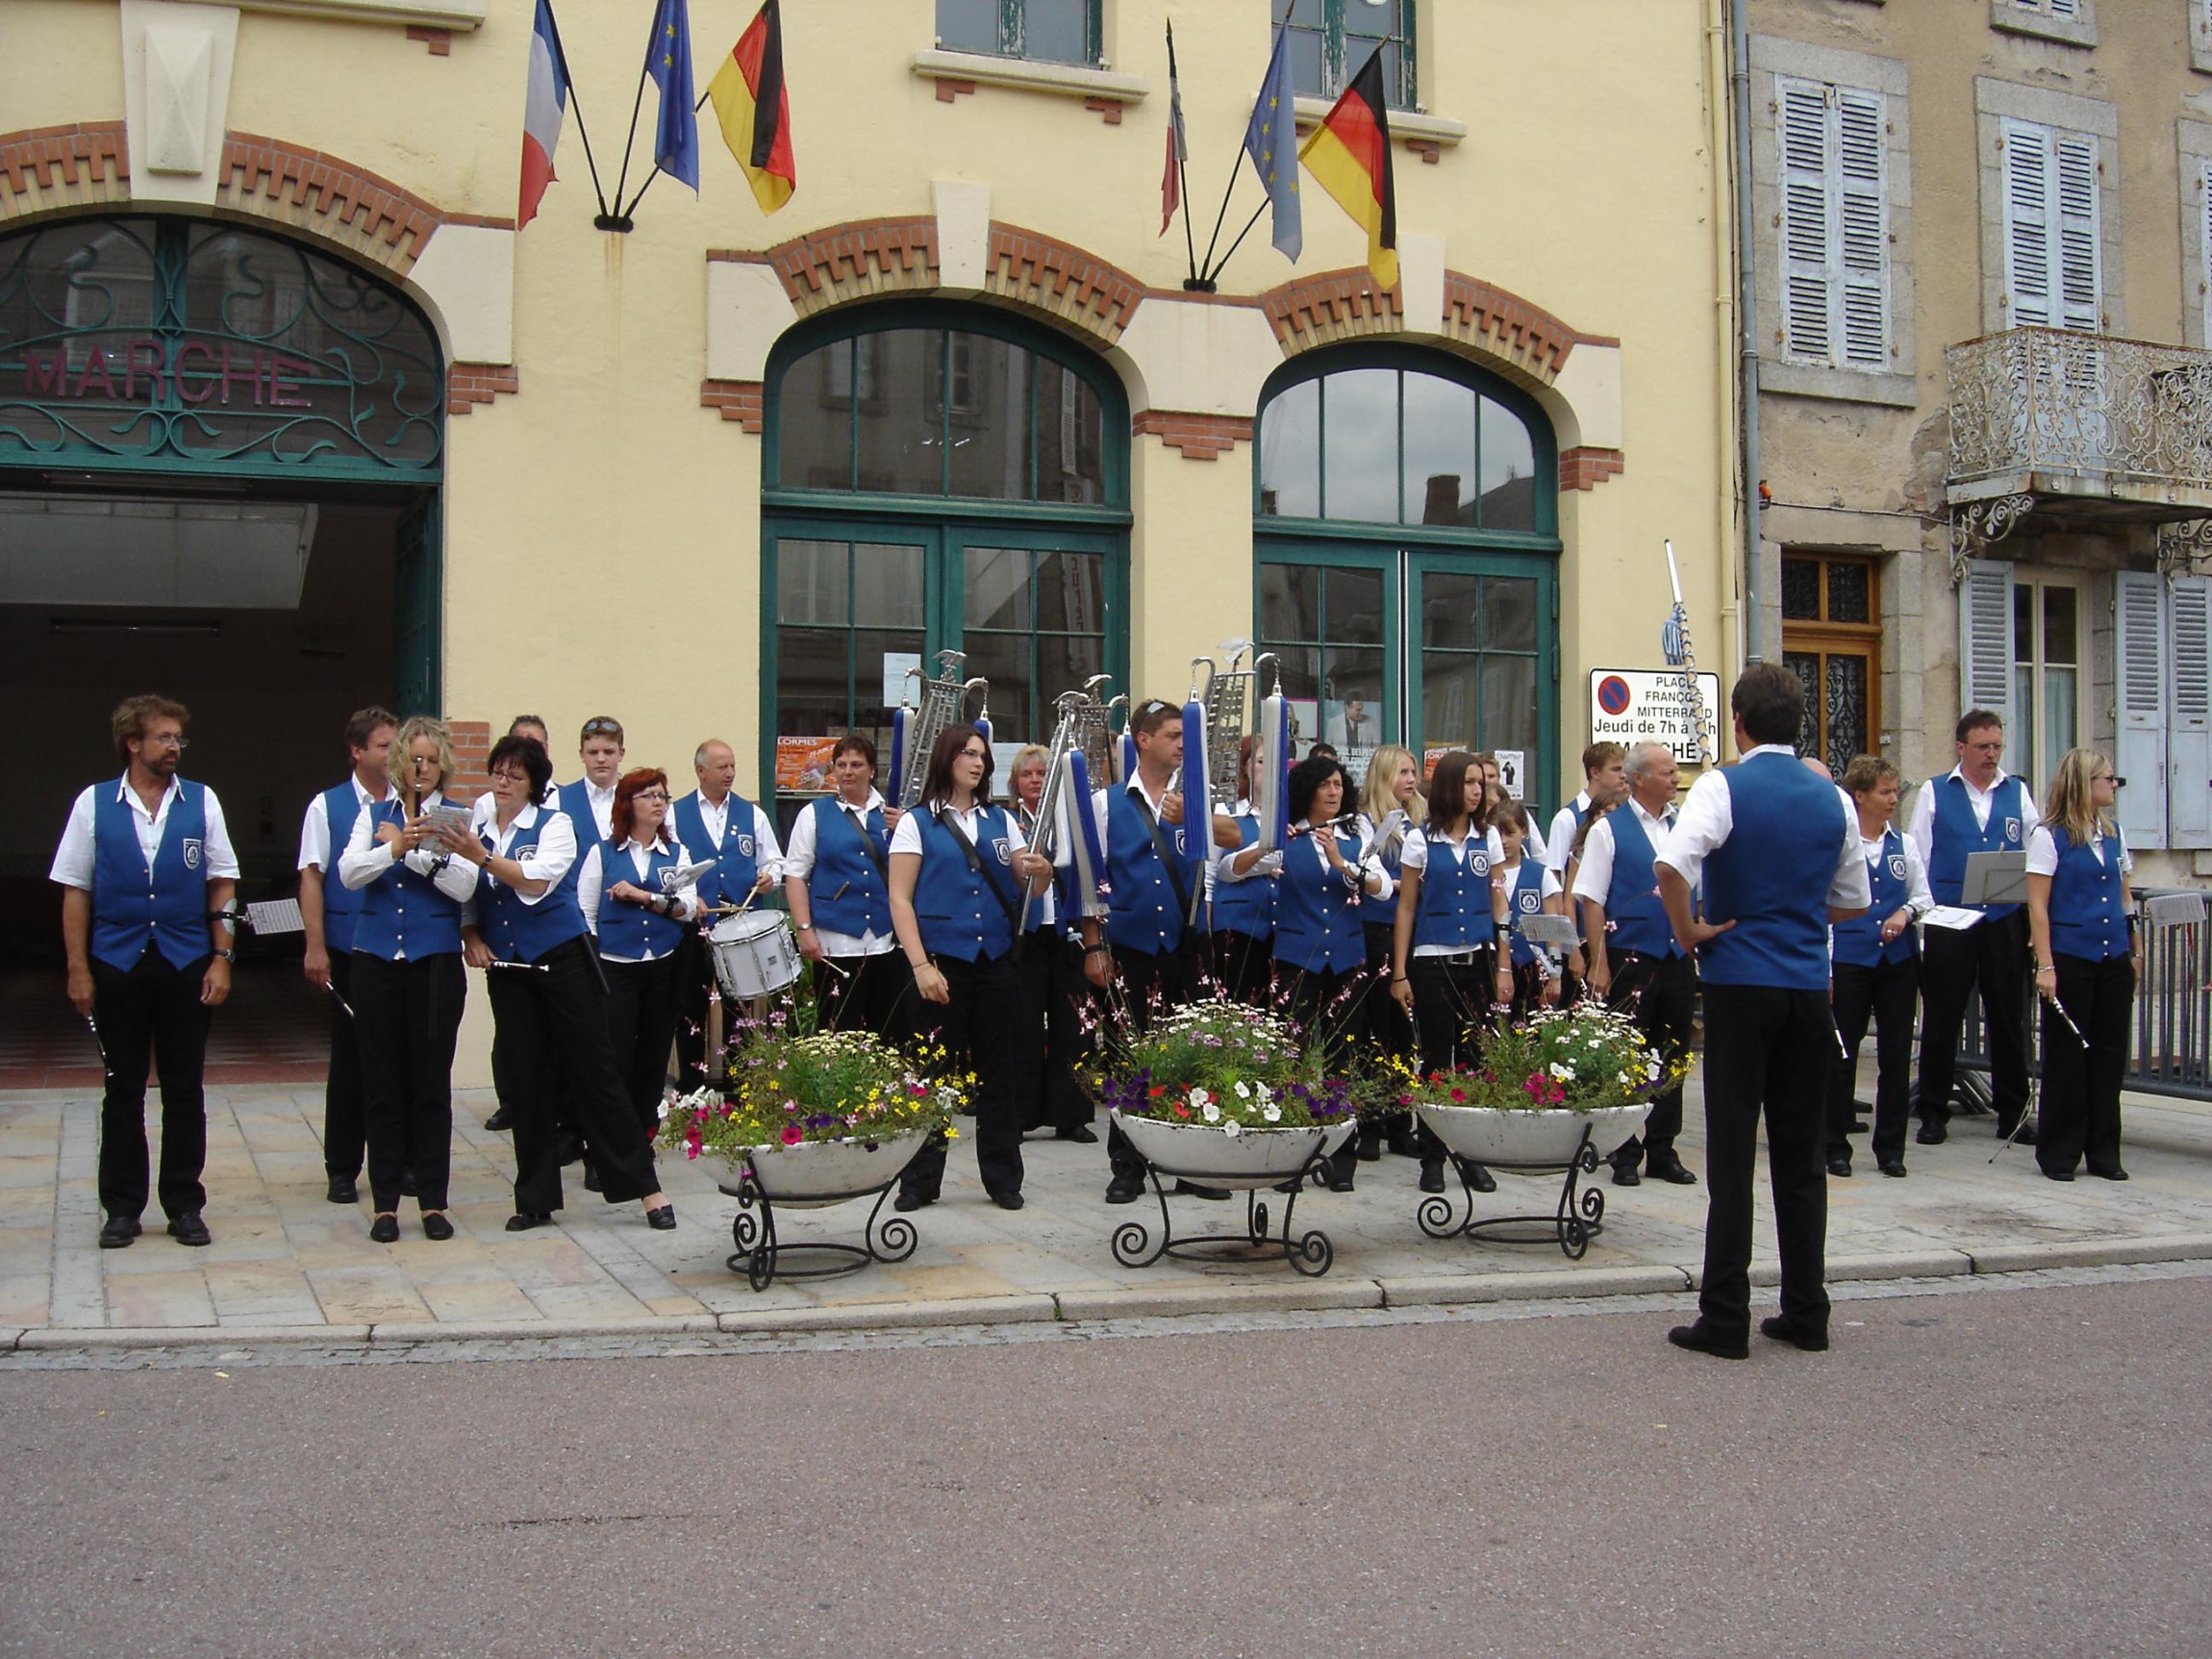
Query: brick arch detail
1513,336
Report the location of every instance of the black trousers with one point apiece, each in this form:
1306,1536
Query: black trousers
153,1013
554,1025
1451,1008
1147,983
2081,1087
1243,963
344,1136
1334,1006
1767,1051
694,975
642,1025
872,993
1887,992
1662,992
1993,955
975,1028
1050,1042
410,1015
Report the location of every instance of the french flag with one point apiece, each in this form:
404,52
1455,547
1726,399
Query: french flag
542,113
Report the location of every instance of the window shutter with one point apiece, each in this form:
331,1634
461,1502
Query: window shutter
2204,241
2139,642
1985,638
2069,10
2028,255
2080,260
1808,228
1866,229
2189,720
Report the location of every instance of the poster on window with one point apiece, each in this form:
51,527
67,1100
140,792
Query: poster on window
1512,765
803,765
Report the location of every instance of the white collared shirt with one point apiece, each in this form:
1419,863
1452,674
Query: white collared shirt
1919,830
488,806
1919,899
2043,851
1708,819
315,828
1419,844
1556,847
798,860
549,861
1594,877
73,859
593,878
366,858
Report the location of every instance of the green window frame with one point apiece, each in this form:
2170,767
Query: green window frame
1331,39
1046,30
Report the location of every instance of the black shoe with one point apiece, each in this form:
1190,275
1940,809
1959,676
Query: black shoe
1932,1135
1192,1189
1670,1171
501,1121
407,1185
1856,1126
2115,1173
1895,1167
188,1229
568,1147
343,1191
118,1232
1702,1339
2060,1174
1369,1145
436,1226
523,1220
1432,1177
1399,1139
1007,1200
1840,1166
2026,1137
1340,1181
906,1203
1082,1134
591,1179
1480,1178
1624,1175
662,1219
1806,1337
1125,1189
384,1229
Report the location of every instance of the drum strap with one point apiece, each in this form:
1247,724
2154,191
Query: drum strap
867,844
1167,858
982,871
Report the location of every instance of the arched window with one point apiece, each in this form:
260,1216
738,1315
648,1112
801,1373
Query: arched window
937,477
1406,516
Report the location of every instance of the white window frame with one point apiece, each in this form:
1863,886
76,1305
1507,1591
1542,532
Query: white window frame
2025,750
2071,21
1833,230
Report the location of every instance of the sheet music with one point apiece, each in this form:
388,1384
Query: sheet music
275,915
1950,917
683,875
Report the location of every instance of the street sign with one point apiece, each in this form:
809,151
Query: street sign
1650,706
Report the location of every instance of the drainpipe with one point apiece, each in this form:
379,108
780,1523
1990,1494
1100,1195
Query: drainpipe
1755,643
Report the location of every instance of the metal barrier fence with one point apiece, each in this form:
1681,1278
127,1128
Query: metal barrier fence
2170,1053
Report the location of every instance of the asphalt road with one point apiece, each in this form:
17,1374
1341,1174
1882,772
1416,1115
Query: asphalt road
2024,1471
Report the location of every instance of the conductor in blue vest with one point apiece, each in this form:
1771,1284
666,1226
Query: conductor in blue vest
1975,807
1779,862
149,876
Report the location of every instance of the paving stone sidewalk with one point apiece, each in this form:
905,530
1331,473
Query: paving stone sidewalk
285,1264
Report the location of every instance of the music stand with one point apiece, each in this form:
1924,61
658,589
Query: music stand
1995,878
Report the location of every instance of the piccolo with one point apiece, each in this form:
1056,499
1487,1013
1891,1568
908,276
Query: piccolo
525,967
93,1026
1342,820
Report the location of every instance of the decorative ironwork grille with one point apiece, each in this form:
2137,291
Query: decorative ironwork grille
2056,400
180,346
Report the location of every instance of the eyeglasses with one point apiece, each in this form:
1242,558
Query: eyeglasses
975,754
650,796
603,728
1995,748
169,741
2116,781
505,776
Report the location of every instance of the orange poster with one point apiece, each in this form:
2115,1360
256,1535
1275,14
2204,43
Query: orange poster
803,765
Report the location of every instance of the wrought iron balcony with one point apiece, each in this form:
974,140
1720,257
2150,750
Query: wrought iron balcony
2081,428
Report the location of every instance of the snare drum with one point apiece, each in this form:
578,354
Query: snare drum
755,954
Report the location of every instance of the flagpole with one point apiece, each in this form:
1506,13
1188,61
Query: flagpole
576,103
1241,236
1211,268
1182,168
622,221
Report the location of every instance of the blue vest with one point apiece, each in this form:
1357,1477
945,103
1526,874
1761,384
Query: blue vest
632,931
1953,834
1772,876
519,932
404,916
736,857
962,913
1317,925
576,802
1247,906
341,903
1455,897
1525,900
846,888
165,906
1858,942
1632,907
1146,916
2087,919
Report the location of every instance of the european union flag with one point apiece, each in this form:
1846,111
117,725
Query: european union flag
1271,141
668,60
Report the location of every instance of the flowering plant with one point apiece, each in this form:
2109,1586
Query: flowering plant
1223,1065
1579,1059
785,1090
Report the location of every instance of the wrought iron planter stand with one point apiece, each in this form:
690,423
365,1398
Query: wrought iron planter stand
760,1254
1310,1253
1579,1218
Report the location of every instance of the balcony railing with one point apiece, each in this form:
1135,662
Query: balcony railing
2047,412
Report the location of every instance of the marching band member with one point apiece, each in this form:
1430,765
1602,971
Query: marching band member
638,917
1603,773
1242,898
1445,970
1050,1039
837,879
327,910
1531,889
1975,807
407,985
1635,961
549,1000
590,801
1319,947
530,726
958,869
719,826
1388,802
148,876
1875,971
2081,923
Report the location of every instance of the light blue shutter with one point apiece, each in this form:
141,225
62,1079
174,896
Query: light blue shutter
1808,220
2080,257
1864,241
1985,638
2027,228
2139,645
2189,717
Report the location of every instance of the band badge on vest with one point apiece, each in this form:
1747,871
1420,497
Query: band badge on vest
1897,867
2011,831
191,850
744,846
1529,902
1478,864
1003,850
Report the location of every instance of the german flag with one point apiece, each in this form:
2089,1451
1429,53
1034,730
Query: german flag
1350,156
755,111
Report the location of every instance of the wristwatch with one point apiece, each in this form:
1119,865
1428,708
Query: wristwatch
228,954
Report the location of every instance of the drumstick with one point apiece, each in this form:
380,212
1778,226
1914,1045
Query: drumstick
341,1001
528,967
93,1026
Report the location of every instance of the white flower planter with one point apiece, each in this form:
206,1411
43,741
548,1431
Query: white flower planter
1249,1160
1495,1135
815,1174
